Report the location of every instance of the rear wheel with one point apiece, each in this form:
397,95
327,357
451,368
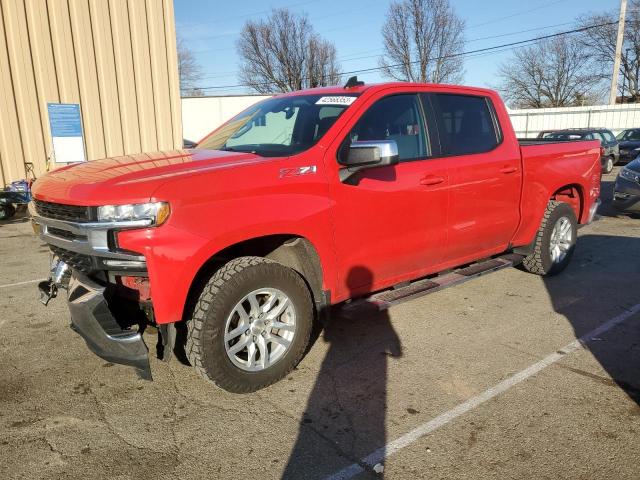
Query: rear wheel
608,165
555,241
251,325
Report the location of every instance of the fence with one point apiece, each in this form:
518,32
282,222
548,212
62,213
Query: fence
528,123
200,115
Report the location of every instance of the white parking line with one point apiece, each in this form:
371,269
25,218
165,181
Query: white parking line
7,285
407,439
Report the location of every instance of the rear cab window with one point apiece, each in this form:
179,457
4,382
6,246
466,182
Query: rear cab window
466,124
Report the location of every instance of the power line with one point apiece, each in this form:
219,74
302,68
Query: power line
348,59
517,14
454,55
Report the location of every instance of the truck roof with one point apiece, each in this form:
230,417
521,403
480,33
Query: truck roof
339,90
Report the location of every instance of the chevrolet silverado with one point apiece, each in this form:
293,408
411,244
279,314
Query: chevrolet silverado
232,249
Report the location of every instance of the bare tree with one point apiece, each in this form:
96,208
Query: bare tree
556,72
423,40
189,70
601,42
283,53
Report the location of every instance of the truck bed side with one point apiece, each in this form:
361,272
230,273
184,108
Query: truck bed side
549,168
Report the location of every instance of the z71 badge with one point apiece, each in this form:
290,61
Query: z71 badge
297,171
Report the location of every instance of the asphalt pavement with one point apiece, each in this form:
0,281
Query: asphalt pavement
507,376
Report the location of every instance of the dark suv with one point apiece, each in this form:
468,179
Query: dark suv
611,153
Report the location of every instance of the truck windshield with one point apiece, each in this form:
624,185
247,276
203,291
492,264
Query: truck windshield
279,126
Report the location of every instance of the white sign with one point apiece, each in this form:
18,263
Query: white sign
66,132
336,100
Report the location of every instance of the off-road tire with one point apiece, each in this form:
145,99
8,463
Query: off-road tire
539,262
205,330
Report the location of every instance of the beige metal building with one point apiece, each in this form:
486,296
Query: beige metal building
116,58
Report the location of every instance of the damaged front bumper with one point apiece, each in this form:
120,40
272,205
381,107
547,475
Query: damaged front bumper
87,264
92,319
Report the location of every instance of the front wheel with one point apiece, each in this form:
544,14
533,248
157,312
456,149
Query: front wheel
555,241
251,324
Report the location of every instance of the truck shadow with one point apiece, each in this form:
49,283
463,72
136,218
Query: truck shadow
603,277
346,409
348,402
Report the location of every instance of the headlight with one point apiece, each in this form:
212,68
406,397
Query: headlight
157,212
630,174
636,149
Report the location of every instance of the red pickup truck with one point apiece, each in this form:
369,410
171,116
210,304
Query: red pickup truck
304,200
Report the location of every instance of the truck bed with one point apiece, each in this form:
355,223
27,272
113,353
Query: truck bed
549,165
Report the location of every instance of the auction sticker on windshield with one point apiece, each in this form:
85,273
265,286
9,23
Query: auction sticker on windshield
338,100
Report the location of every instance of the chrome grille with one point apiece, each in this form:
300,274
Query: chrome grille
59,211
77,261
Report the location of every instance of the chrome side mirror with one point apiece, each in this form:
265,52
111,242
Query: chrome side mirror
367,154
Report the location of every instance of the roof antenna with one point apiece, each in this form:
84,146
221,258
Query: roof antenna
353,82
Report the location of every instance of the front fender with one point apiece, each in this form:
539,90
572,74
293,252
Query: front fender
174,258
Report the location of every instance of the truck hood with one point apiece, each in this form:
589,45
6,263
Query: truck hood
132,178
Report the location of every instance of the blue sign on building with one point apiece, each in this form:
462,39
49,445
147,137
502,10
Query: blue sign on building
65,123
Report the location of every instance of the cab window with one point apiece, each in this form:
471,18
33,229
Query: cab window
465,124
399,118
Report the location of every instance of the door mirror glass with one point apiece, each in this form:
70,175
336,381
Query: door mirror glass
375,153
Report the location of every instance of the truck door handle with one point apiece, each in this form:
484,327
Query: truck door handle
431,180
508,170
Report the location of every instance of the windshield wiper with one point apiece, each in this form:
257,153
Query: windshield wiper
233,149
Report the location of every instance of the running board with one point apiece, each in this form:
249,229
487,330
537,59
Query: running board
387,298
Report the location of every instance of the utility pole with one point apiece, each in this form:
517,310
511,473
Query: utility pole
624,77
616,61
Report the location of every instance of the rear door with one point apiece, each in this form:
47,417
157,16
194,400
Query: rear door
485,179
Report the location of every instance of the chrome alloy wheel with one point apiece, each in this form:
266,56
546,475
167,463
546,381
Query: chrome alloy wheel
260,329
561,240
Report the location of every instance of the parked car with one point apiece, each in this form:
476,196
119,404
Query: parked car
629,141
300,202
611,150
626,192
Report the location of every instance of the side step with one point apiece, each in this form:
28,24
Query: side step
387,298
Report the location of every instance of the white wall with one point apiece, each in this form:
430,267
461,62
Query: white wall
200,115
527,123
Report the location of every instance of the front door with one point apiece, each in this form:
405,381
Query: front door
391,225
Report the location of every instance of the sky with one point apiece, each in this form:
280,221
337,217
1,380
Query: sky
211,28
